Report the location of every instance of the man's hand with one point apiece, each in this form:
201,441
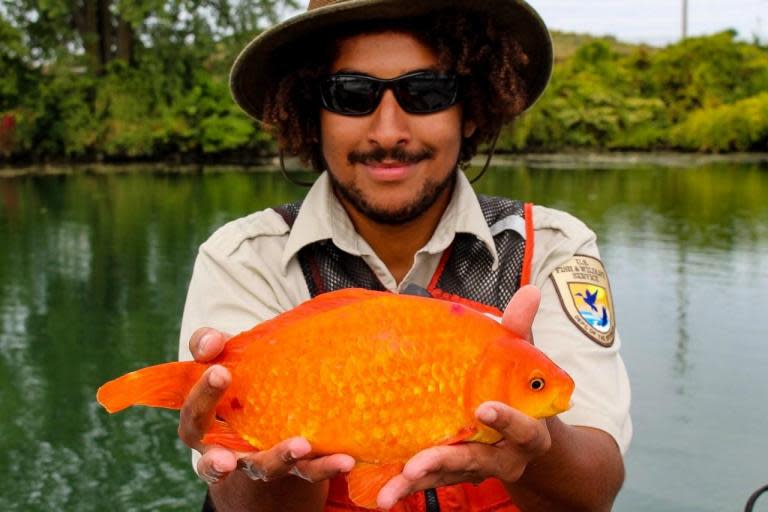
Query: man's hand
292,456
523,440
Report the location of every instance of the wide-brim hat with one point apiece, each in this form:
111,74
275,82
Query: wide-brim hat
273,53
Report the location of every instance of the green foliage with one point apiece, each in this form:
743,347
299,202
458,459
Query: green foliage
706,72
703,94
741,126
169,97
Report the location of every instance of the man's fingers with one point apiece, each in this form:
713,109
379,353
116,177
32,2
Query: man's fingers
521,310
276,462
516,427
393,491
464,458
294,457
199,407
215,464
323,468
436,467
206,343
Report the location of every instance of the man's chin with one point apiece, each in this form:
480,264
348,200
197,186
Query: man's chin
391,216
394,213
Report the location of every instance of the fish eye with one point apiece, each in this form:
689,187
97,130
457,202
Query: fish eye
536,384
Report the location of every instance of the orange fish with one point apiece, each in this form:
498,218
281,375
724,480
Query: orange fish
375,375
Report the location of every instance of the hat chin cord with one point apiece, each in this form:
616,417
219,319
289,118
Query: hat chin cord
491,150
302,183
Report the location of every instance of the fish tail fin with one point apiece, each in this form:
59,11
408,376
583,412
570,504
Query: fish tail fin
163,385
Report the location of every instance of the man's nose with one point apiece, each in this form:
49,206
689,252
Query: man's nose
389,123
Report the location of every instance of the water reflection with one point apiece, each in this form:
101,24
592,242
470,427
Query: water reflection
94,269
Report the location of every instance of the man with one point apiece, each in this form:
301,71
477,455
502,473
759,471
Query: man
390,98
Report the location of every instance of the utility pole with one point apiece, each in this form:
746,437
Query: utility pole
685,19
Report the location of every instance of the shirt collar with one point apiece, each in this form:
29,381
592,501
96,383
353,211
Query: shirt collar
322,217
463,215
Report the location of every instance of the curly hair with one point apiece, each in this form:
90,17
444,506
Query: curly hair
486,60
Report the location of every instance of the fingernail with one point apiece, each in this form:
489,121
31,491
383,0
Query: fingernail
204,342
488,415
215,378
211,478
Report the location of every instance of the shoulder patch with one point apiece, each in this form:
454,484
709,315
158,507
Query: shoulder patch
584,292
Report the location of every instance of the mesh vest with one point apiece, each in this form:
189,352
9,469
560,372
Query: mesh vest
465,274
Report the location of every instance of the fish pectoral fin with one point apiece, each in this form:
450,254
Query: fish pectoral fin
464,434
222,434
366,480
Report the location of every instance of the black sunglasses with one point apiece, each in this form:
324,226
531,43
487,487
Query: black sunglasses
421,92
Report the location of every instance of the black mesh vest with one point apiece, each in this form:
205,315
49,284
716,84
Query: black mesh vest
465,270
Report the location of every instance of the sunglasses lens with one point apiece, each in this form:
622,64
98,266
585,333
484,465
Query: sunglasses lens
422,92
350,95
426,92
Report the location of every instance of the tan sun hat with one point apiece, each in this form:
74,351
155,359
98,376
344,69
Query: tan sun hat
271,54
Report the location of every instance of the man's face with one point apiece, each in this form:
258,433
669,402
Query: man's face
390,166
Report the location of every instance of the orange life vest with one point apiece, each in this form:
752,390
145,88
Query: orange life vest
485,497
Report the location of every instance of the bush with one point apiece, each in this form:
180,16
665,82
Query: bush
740,126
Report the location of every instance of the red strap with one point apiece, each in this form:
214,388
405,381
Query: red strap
440,267
525,277
440,294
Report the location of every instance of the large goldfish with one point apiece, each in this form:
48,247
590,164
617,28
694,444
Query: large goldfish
375,375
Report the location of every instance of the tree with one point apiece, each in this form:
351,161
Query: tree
107,30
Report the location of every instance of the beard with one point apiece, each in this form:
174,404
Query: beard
430,192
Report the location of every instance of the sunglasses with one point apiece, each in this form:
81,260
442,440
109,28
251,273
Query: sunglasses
421,92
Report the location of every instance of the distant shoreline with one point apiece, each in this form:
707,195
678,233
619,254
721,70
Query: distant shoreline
565,160
598,160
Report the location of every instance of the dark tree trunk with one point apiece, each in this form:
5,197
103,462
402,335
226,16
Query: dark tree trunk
125,40
106,33
96,25
86,18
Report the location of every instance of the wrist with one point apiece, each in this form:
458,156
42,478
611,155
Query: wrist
238,492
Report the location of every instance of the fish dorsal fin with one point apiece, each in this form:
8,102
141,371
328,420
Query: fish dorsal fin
366,480
318,305
222,434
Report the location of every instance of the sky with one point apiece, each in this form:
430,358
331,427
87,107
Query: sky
655,22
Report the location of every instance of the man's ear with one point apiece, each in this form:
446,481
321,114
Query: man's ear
469,128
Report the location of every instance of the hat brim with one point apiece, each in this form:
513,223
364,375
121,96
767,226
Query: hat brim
268,56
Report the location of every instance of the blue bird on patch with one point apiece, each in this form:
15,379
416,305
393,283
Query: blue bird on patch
590,299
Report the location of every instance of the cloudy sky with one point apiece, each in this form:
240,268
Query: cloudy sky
655,22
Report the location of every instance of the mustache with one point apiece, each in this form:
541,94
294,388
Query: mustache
396,154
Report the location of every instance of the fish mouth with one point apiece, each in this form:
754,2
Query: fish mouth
562,403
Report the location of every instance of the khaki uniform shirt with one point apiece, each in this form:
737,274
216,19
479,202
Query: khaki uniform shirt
248,272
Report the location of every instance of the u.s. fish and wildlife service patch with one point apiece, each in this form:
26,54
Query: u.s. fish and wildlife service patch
585,294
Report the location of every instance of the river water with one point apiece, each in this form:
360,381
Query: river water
94,268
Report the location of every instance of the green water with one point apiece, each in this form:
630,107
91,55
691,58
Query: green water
94,268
